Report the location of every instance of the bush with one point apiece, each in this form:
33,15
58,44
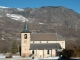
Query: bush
76,53
67,53
71,53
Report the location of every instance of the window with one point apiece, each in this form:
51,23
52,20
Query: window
32,51
25,36
48,51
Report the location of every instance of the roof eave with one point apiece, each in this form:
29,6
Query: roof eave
25,31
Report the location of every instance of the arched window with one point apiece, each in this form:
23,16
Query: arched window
25,36
32,51
48,51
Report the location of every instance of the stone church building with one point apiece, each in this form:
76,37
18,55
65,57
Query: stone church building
40,44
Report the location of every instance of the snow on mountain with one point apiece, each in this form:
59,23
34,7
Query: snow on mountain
17,17
41,23
20,9
3,7
0,16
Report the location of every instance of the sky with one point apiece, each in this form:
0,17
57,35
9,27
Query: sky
71,4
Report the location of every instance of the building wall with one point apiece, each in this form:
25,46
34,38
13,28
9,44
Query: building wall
53,52
43,53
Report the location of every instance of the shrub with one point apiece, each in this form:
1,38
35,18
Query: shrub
67,53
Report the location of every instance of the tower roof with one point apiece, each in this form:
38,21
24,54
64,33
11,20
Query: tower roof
25,30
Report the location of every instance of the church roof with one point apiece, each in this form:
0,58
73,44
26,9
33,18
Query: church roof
45,37
25,30
42,46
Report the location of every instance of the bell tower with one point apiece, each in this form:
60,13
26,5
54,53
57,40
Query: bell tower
25,41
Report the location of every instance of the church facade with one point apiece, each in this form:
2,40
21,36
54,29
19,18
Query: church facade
40,44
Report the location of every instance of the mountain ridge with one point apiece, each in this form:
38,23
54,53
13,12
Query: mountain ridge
47,19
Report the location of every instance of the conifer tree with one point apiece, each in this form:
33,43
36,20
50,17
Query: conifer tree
14,48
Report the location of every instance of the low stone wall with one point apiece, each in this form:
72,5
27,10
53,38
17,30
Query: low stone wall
15,59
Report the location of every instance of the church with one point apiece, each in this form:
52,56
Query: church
40,45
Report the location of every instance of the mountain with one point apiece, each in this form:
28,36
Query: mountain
3,7
46,19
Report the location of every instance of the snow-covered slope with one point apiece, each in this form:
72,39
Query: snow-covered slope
41,23
19,9
17,17
3,7
0,16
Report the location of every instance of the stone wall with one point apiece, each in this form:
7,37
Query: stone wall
16,59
